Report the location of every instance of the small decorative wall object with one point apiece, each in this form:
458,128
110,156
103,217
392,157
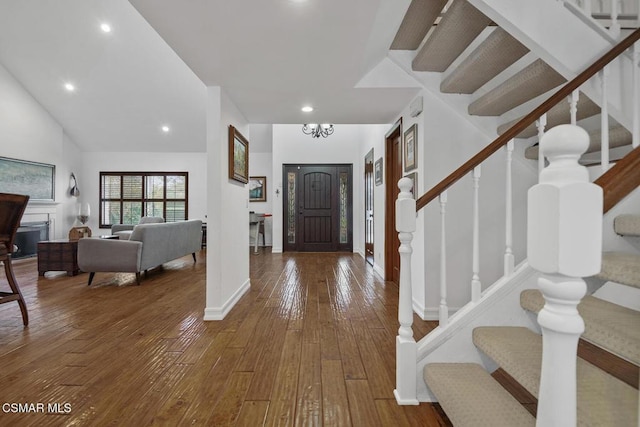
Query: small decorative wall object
73,184
411,148
77,233
258,189
378,171
238,156
413,176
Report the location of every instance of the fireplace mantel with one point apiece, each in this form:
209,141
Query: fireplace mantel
42,210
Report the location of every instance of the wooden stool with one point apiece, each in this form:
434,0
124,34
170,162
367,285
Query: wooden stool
12,207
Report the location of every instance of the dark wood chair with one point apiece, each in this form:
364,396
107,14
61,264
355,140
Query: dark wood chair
12,207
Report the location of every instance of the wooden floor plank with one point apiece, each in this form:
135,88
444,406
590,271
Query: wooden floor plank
311,343
335,404
253,413
309,394
362,406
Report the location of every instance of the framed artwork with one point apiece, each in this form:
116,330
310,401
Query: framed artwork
413,176
411,148
238,156
377,169
258,189
37,180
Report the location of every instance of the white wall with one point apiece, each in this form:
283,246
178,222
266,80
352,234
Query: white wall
373,136
29,132
260,164
228,211
94,162
290,145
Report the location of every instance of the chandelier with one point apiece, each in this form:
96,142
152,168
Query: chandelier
317,131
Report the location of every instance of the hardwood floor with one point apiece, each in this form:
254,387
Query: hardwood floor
312,343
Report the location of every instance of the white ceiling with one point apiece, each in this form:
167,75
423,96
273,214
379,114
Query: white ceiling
271,56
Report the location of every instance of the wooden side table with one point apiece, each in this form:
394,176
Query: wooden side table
58,255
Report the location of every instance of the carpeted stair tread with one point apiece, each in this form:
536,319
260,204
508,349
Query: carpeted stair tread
621,267
535,79
490,58
471,397
602,399
459,26
627,225
607,325
619,136
558,114
420,17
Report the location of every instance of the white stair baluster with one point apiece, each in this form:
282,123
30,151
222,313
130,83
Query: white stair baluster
636,91
444,310
476,285
540,124
614,29
573,106
509,261
604,121
406,350
563,259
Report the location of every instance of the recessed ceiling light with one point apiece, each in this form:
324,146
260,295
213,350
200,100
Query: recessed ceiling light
69,87
307,108
165,128
105,27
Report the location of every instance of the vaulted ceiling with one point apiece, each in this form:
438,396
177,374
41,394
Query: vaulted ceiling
271,56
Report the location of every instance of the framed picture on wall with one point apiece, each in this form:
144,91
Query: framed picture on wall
377,169
410,148
258,189
413,176
24,177
238,156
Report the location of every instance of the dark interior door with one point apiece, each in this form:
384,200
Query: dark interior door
318,208
393,173
368,207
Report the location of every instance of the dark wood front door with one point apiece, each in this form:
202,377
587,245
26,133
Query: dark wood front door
318,208
368,207
393,173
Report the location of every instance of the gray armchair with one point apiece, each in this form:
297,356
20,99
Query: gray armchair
123,231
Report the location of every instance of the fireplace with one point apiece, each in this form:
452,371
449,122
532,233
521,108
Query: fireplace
27,238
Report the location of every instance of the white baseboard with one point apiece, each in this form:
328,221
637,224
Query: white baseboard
215,313
276,250
379,270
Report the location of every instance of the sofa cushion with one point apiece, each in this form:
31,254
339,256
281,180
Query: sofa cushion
124,234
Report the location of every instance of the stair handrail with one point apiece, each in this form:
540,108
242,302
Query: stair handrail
527,120
621,179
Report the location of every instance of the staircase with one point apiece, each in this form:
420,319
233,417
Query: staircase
607,367
503,77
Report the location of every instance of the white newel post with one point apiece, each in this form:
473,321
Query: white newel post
406,350
564,244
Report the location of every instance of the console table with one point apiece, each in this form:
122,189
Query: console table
58,255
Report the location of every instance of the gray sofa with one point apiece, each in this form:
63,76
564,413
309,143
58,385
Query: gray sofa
123,231
149,246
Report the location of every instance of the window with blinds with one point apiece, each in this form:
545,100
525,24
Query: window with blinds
125,197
